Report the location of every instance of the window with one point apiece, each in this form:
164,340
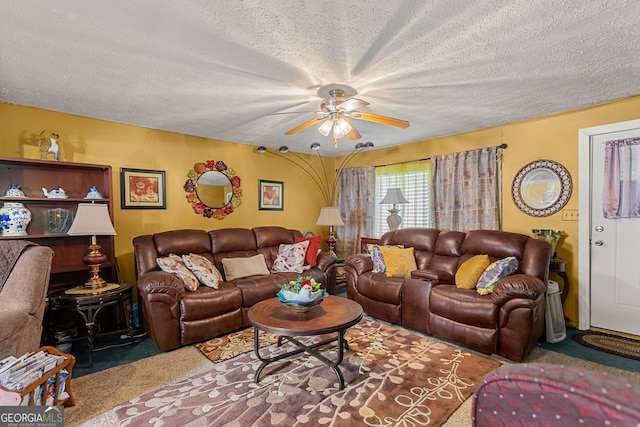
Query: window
414,179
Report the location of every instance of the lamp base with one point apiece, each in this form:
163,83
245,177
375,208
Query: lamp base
331,242
94,260
394,220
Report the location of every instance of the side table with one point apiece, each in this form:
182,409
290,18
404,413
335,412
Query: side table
88,305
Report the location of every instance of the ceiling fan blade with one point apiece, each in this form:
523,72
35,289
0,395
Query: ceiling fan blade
293,112
304,125
352,104
354,134
390,121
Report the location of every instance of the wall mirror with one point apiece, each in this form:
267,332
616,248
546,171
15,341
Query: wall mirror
213,189
541,188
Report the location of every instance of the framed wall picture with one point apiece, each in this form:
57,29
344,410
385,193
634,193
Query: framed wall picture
142,189
270,195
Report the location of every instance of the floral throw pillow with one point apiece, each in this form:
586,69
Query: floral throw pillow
174,264
290,258
203,269
493,273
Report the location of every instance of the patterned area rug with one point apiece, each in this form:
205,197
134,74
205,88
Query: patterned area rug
231,345
393,377
613,344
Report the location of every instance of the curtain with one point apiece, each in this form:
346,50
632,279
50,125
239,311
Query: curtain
414,179
621,193
356,198
465,190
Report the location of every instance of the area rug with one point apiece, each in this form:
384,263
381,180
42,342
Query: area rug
393,377
231,345
613,344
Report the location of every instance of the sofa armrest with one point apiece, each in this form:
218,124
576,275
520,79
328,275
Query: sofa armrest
359,264
325,261
546,394
517,286
160,282
434,276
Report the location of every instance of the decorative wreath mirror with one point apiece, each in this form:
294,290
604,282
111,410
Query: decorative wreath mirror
541,188
213,189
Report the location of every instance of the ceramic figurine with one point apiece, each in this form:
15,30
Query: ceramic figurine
55,194
54,146
14,191
93,193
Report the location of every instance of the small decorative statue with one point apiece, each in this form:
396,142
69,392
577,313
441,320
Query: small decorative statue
55,193
93,193
54,146
49,145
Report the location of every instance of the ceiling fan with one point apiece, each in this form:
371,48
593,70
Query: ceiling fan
338,106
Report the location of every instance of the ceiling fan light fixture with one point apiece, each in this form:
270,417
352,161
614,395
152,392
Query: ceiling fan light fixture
325,127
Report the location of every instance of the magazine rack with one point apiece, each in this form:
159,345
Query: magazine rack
15,397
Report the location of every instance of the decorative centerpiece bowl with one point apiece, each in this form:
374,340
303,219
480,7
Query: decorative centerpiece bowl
301,295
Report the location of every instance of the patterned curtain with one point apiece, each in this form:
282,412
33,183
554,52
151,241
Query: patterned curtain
356,202
621,193
465,190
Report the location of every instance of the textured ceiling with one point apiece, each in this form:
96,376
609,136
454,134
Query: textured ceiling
223,69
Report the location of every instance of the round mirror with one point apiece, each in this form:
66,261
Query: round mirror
213,189
541,188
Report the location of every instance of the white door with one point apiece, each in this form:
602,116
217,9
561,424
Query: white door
615,250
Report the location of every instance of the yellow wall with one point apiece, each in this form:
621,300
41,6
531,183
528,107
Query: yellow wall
96,141
553,137
87,140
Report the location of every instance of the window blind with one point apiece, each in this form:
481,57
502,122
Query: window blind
414,179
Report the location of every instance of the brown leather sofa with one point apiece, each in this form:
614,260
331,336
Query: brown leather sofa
174,317
507,322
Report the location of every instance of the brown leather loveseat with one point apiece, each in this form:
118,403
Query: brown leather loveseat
508,322
175,317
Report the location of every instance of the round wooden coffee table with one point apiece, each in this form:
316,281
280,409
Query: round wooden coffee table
333,315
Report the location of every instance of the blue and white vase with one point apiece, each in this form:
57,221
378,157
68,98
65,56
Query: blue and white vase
14,218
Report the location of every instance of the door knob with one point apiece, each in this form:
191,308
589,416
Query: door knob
598,243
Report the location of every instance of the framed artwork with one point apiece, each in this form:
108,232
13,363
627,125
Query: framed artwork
142,189
270,195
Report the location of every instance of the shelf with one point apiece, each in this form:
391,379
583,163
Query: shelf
50,200
67,268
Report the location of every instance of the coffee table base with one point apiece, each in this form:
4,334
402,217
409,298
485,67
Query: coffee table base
310,349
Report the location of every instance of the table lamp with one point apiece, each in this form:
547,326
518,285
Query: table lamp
92,219
330,216
394,197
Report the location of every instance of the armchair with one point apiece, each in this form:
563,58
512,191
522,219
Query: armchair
24,281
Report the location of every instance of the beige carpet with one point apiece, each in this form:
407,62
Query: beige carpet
97,394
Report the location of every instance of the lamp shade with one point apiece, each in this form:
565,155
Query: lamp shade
92,219
329,216
394,196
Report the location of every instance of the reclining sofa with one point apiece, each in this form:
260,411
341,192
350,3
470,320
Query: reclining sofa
508,322
175,317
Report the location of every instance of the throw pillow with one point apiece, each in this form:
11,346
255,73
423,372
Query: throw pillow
237,268
290,258
399,262
173,264
311,257
470,271
493,273
203,269
378,259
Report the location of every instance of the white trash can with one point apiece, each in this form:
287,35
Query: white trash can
554,315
